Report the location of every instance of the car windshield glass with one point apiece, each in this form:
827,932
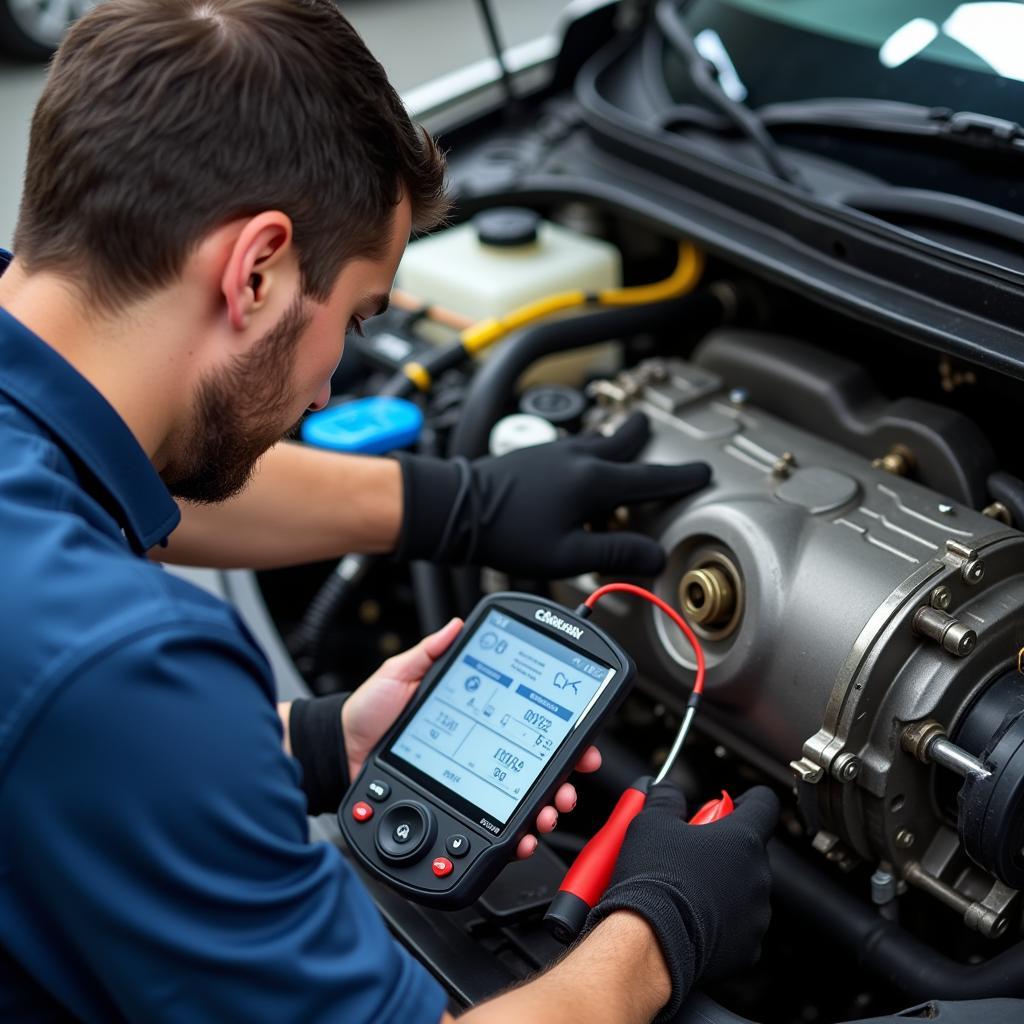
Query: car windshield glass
937,53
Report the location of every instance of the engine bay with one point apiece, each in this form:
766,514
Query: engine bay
855,575
855,569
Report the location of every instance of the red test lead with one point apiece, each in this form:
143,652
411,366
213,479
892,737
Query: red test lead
588,878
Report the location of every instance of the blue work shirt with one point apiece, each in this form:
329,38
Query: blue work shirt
155,862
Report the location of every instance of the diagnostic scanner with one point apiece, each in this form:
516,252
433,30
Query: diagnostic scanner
496,726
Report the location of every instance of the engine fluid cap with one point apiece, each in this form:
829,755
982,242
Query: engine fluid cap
520,430
368,426
558,404
507,226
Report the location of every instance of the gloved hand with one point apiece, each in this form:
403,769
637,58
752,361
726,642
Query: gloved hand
524,512
702,888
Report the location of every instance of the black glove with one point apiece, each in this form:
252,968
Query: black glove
702,888
318,744
524,512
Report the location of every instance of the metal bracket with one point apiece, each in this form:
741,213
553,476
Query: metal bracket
960,556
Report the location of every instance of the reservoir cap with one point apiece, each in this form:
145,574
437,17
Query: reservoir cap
507,226
563,406
520,431
368,426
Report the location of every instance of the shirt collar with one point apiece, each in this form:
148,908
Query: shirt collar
45,385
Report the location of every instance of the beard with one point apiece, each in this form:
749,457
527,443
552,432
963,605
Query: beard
240,413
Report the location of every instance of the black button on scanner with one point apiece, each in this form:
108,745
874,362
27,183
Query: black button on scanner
405,831
457,846
378,790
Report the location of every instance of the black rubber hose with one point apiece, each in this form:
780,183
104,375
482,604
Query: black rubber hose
308,638
1010,491
430,591
884,948
704,76
492,386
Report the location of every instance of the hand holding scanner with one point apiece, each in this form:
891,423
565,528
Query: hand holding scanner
495,728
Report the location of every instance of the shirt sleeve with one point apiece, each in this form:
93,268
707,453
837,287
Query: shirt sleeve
162,839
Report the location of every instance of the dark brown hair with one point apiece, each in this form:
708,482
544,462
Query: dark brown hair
163,119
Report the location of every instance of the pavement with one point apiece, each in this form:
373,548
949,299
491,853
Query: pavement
416,40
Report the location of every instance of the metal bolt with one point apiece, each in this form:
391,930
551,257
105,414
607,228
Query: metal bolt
905,839
738,396
946,510
973,572
883,887
941,598
707,596
846,767
946,753
982,919
952,634
997,510
918,736
899,461
784,465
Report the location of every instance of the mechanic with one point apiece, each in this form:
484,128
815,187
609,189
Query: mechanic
215,189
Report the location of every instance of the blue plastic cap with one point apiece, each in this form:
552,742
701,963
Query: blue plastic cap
369,426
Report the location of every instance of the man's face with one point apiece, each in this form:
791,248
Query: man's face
245,408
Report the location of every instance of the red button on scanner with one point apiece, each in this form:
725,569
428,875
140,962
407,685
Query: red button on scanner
362,811
442,866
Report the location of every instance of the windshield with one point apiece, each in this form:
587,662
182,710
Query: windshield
937,53
824,77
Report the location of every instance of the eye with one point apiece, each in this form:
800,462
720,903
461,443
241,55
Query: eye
355,326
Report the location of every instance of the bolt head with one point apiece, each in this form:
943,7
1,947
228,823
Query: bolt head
905,838
846,767
946,510
974,572
738,396
941,598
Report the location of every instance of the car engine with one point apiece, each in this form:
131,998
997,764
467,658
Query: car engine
855,569
861,629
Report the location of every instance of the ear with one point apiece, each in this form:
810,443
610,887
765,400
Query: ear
259,249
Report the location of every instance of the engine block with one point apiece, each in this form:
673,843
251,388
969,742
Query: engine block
852,618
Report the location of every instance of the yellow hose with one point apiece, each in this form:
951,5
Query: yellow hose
478,337
482,335
683,279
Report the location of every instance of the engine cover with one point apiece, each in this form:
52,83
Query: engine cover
806,568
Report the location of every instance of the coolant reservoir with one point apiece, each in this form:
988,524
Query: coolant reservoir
503,259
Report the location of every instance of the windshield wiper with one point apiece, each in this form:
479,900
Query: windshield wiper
874,117
704,76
